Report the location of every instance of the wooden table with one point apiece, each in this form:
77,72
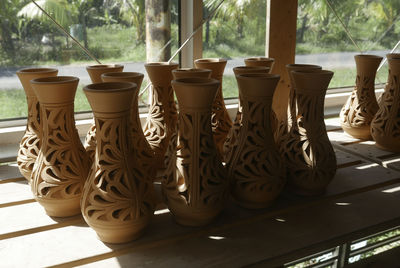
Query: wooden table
362,199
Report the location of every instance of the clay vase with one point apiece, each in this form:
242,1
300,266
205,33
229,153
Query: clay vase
388,56
232,135
161,129
191,72
385,126
260,61
199,193
255,169
306,150
30,143
360,108
117,200
95,72
62,165
221,121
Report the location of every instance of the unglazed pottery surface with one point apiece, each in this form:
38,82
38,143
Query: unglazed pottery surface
199,192
161,126
255,168
221,122
306,149
30,143
191,72
385,127
360,108
118,198
62,165
260,61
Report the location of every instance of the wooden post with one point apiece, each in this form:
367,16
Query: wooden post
198,37
281,45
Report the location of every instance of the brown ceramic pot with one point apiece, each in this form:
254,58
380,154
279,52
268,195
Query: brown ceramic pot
306,149
30,143
260,61
191,72
255,169
161,126
62,165
199,193
95,72
117,201
360,108
385,127
232,135
221,122
388,56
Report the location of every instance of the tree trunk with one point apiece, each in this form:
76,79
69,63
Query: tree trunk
302,29
158,30
6,40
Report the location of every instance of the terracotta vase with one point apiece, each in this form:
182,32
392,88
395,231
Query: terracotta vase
232,135
385,126
199,193
161,129
117,201
260,61
307,151
30,143
62,165
221,122
191,72
388,56
255,168
95,72
360,108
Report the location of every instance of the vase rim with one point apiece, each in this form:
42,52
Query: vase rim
261,58
36,70
393,56
307,72
196,70
300,65
195,81
210,60
368,56
252,68
161,63
122,74
104,66
110,87
250,76
55,80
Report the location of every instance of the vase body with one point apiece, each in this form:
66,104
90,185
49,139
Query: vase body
260,61
233,132
95,72
221,122
255,169
199,192
385,127
30,143
161,126
306,149
360,108
62,165
118,199
191,72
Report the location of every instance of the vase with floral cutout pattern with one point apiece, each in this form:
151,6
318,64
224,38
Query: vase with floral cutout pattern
199,192
118,197
95,72
260,61
388,56
62,165
30,143
255,168
360,108
232,135
221,121
161,128
385,126
308,154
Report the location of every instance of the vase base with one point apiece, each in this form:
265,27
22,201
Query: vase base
387,146
119,234
60,207
362,133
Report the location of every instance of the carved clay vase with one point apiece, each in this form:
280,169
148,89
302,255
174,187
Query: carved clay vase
30,143
388,56
95,72
232,135
62,165
385,126
191,72
139,142
260,61
117,201
255,169
360,108
306,150
161,129
221,122
199,193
